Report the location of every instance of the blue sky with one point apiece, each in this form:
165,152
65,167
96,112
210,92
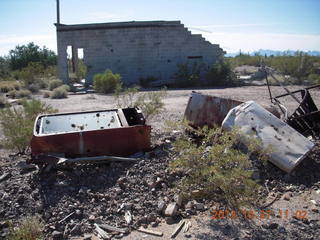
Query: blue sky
234,24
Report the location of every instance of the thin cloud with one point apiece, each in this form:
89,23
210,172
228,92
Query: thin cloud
8,42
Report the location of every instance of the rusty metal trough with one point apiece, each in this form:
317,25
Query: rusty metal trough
117,132
204,110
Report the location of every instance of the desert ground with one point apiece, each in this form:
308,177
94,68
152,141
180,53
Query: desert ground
92,193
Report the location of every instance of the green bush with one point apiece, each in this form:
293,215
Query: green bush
34,88
17,123
60,92
215,165
188,75
17,94
107,82
220,74
30,228
151,103
54,84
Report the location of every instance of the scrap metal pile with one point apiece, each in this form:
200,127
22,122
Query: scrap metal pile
288,139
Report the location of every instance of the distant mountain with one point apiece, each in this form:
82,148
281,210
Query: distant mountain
268,52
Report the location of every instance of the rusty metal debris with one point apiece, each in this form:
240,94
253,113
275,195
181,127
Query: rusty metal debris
306,118
204,110
88,135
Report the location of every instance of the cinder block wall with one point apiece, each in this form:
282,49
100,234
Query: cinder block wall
134,49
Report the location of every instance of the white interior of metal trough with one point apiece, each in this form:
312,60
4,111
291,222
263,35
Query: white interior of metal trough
77,122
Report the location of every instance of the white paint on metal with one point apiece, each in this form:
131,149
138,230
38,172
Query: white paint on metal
288,147
77,122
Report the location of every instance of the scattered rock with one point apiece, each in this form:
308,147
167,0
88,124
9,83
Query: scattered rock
57,235
287,196
171,209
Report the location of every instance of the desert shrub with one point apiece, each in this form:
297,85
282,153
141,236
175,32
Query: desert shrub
54,84
314,78
22,93
29,228
220,74
60,92
17,123
151,103
188,75
107,82
34,88
216,165
6,86
31,73
146,82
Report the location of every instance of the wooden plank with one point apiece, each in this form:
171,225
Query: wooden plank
113,229
151,232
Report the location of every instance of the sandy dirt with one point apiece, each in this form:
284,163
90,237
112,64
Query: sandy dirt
294,193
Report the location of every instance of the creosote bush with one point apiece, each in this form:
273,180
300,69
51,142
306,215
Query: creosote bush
216,164
17,123
22,93
29,228
60,92
151,103
7,86
107,82
54,84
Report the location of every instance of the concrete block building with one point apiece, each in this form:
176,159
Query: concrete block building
133,49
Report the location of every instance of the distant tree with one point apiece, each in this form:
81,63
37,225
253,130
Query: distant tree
21,56
4,67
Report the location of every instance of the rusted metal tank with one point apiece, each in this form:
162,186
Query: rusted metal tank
117,132
207,110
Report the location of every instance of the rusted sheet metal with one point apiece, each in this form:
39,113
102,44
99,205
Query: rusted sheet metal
208,110
119,132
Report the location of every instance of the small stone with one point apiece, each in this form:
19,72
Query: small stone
178,199
316,210
287,196
273,226
199,206
57,235
170,220
188,206
161,206
92,218
78,212
171,210
154,224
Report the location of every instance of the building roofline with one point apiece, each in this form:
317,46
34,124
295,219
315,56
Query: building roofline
111,25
